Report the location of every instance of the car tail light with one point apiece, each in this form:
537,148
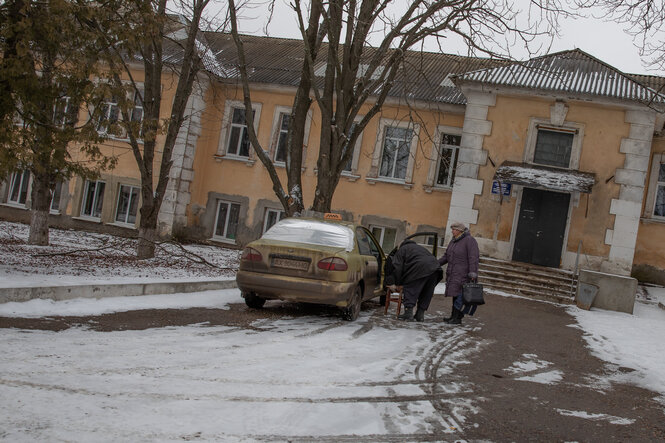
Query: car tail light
332,264
251,254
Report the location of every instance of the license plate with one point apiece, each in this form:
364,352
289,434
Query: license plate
290,264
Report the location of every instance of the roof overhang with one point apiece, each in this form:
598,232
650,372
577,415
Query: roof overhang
544,177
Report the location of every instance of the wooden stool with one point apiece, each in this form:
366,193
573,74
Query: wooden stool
395,296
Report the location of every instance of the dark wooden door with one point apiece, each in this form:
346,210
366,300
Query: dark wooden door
541,227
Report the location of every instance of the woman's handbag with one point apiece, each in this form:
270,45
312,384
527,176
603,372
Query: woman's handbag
472,294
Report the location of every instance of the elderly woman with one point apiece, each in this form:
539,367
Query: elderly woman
462,258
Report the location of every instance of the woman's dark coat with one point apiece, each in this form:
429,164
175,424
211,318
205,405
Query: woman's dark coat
462,257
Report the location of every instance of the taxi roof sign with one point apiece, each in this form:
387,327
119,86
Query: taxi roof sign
332,216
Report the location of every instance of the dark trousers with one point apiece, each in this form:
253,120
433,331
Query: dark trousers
420,291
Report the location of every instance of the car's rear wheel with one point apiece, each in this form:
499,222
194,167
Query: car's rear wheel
254,301
351,312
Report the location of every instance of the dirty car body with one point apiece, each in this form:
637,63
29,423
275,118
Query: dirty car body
313,261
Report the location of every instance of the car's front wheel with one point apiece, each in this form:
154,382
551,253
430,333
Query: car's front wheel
254,301
352,311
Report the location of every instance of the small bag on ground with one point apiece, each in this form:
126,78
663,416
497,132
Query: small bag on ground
472,294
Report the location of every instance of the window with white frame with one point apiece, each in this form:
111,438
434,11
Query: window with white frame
226,220
64,112
396,152
385,236
55,197
280,145
238,143
110,114
128,202
659,204
272,216
447,164
18,187
93,199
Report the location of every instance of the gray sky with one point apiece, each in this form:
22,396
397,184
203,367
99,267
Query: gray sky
603,40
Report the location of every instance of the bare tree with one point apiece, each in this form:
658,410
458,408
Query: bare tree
358,76
644,20
161,42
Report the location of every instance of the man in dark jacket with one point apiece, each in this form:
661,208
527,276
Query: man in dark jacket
418,272
462,257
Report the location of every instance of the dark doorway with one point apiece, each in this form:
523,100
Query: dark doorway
541,227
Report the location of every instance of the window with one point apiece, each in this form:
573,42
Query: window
226,222
272,216
659,206
448,154
280,147
18,187
385,236
128,201
64,113
55,198
238,136
110,115
93,198
396,150
553,148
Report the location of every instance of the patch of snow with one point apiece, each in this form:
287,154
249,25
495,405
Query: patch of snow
597,417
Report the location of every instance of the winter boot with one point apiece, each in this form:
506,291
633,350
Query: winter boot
453,316
420,315
457,318
408,314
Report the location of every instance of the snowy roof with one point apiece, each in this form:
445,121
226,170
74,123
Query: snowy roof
572,72
544,177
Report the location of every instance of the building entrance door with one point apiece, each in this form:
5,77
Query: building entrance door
540,227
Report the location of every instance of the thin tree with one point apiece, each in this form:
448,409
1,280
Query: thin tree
359,77
140,34
46,76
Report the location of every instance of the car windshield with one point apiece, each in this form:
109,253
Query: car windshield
312,232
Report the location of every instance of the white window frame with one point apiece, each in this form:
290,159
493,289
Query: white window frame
654,184
129,205
276,129
224,236
435,156
357,147
56,197
225,133
381,236
279,214
60,118
95,200
377,156
112,103
22,179
569,127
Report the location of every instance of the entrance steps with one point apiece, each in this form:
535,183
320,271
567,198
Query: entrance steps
528,280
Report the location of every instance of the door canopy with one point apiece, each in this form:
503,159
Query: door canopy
544,177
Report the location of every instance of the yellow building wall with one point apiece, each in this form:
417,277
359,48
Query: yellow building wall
604,128
358,198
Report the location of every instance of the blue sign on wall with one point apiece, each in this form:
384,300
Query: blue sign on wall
505,188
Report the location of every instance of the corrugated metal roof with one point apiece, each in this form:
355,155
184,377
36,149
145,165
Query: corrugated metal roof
572,72
427,76
424,75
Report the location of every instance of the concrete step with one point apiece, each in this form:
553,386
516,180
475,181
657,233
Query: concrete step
528,280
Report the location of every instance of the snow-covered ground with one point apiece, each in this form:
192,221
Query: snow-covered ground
295,377
78,257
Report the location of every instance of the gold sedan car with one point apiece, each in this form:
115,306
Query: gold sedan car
313,261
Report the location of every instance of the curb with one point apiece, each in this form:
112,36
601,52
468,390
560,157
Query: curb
58,293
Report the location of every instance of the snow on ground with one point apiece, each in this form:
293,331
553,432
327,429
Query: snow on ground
78,257
306,376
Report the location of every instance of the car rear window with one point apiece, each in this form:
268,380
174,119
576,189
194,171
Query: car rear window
312,232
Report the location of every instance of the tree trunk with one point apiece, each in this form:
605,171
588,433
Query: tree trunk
41,205
146,246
